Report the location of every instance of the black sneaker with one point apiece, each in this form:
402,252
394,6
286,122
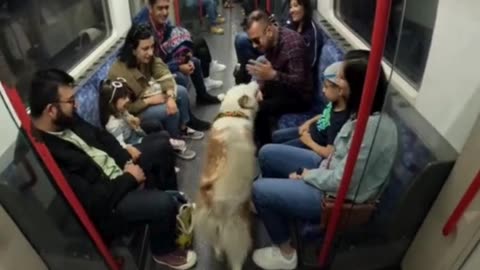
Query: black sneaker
207,100
198,124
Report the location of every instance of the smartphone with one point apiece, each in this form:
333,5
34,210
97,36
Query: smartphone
254,62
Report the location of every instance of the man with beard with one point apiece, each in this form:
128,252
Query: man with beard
283,74
115,192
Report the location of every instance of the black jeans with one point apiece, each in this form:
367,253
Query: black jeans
197,78
158,161
270,110
202,52
156,208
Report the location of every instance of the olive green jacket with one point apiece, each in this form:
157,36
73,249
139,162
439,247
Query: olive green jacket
138,80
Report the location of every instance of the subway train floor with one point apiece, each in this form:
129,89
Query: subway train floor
222,49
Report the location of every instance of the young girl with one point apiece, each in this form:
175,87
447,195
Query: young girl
318,133
114,98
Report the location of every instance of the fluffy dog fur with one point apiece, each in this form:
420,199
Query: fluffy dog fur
222,214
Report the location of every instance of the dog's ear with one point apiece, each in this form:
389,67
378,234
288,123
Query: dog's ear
245,102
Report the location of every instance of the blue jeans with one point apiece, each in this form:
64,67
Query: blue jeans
279,160
288,136
156,208
209,6
244,49
157,114
197,78
279,200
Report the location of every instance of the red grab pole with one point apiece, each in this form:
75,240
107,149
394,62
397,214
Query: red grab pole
379,35
200,11
176,7
462,205
60,180
269,6
256,4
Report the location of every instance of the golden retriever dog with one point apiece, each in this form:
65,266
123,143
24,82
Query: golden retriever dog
222,213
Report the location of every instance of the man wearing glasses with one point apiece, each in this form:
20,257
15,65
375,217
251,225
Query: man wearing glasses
284,74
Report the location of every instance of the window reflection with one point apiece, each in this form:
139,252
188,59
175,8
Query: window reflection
48,33
415,37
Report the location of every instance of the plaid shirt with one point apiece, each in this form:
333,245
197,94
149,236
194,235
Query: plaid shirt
289,59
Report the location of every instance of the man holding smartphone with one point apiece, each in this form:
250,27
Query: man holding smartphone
283,74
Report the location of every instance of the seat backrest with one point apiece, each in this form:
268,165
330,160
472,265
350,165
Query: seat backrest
329,53
141,16
87,93
417,176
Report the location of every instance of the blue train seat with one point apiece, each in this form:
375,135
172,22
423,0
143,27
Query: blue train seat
330,52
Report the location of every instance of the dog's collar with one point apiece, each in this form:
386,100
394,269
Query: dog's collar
237,114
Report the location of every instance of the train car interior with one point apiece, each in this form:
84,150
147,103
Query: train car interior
430,180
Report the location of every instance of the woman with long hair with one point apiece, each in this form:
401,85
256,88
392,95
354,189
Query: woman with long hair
295,187
155,98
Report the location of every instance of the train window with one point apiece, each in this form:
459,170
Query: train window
415,35
136,6
55,33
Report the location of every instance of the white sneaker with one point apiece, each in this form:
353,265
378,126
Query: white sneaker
186,154
215,66
270,258
178,144
192,134
212,84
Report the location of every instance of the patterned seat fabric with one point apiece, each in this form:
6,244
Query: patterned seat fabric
330,53
87,93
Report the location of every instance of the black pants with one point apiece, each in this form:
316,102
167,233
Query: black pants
156,208
269,112
158,161
202,52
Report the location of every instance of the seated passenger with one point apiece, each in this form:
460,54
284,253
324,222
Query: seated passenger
300,20
101,173
210,8
175,46
284,77
156,98
318,133
295,187
114,116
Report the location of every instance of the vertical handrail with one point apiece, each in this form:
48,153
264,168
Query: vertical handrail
379,34
256,4
465,201
200,11
59,179
269,7
176,7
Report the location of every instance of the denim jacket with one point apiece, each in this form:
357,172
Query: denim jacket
374,162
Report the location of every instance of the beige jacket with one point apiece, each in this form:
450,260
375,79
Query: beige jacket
138,80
